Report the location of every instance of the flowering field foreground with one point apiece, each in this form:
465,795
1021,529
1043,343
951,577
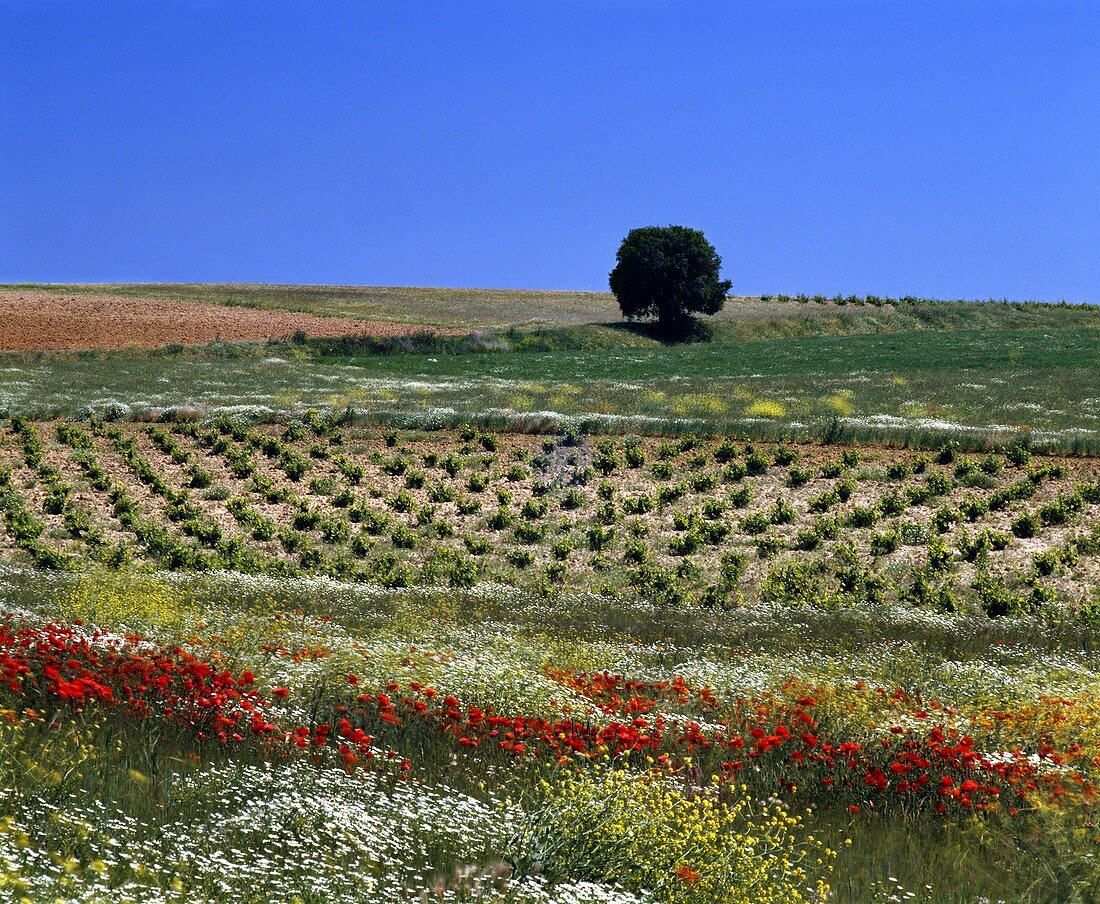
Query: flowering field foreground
232,738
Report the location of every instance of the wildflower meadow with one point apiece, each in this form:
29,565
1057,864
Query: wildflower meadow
307,656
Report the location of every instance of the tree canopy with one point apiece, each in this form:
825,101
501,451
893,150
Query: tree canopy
669,273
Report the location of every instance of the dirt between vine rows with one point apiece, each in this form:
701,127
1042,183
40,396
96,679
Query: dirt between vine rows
35,320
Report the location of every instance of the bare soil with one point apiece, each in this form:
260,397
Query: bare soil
37,320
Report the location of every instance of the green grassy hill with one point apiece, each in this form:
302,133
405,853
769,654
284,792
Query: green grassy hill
918,371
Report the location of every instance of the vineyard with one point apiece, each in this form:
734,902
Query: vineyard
685,522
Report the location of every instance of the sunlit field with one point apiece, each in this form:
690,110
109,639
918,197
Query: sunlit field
554,612
923,373
605,669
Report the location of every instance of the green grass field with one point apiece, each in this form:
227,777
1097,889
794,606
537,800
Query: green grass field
920,372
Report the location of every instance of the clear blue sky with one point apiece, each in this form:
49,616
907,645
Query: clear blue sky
935,148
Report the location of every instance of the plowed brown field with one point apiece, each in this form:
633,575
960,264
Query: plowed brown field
31,320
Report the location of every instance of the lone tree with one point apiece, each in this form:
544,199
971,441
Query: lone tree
668,272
